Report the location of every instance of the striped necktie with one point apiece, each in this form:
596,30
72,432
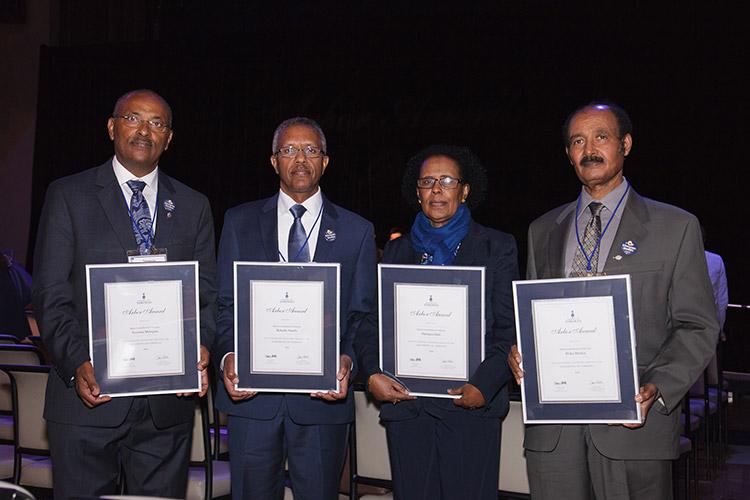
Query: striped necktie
590,244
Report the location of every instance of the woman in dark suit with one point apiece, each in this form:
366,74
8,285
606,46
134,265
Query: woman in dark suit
450,448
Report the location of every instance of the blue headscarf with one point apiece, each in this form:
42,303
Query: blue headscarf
441,243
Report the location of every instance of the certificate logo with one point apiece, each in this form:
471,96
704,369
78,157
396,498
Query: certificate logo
285,299
430,302
143,300
573,317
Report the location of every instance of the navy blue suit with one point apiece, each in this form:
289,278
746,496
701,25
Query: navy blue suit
437,449
250,234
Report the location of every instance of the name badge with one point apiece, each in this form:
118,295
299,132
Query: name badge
156,255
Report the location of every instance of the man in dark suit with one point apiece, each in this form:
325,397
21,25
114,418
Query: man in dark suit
309,430
88,218
675,324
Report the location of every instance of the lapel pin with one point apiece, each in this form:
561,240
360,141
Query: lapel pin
330,235
629,247
169,207
617,257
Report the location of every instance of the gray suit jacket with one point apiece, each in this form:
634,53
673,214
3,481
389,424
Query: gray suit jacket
85,221
675,321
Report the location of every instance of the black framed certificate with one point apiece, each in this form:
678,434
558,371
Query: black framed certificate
431,325
144,334
577,343
286,326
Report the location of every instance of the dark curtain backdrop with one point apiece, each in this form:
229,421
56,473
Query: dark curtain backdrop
385,79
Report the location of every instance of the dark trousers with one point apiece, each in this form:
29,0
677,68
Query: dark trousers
258,449
454,457
89,461
575,470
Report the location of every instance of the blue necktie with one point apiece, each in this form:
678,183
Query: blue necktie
298,251
140,217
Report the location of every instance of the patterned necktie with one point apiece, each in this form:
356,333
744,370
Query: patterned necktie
298,250
590,243
140,217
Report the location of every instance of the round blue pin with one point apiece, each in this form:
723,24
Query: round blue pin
629,247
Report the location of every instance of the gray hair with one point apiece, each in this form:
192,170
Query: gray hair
298,120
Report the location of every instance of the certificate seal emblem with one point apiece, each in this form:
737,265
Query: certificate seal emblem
329,235
629,247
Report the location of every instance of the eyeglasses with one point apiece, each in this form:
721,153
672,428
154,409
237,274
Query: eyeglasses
308,151
445,181
132,121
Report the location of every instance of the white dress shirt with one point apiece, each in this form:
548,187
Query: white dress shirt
310,221
149,192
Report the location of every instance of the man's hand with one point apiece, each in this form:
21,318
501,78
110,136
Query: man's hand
345,367
646,397
471,397
384,388
86,386
231,379
202,367
514,361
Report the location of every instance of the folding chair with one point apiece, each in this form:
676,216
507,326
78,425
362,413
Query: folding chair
32,465
207,478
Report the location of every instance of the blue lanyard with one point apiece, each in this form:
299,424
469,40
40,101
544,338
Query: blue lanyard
578,239
307,238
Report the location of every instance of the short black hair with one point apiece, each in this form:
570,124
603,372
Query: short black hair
471,170
624,125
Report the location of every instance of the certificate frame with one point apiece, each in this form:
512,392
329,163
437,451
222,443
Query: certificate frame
471,279
250,276
598,293
103,283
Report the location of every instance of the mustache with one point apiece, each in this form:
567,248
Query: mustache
142,140
591,159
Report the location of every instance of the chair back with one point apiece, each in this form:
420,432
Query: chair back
15,354
199,452
7,338
201,473
10,490
372,447
28,385
20,354
369,463
513,475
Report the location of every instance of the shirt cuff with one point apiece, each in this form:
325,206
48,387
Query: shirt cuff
221,363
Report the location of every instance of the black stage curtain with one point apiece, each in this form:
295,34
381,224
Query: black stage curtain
386,79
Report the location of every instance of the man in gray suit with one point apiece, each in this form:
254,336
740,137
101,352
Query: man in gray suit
620,232
96,217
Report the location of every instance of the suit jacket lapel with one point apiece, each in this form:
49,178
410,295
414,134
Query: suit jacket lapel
327,234
472,242
165,221
114,206
632,226
268,222
556,244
